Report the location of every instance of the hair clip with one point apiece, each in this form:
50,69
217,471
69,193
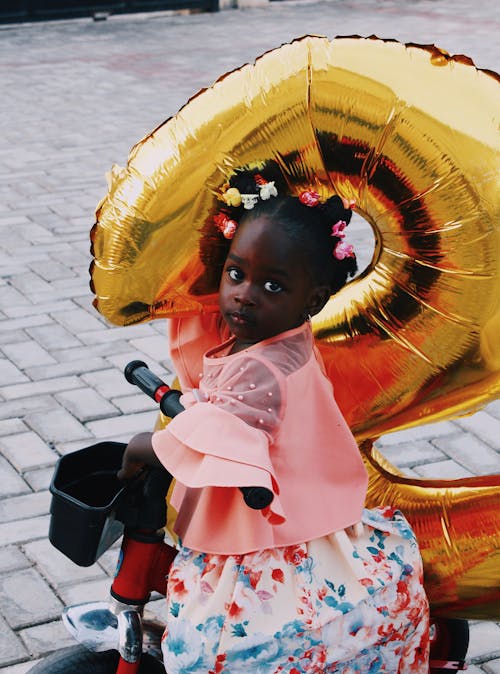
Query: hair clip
232,197
225,225
309,198
249,201
338,229
343,250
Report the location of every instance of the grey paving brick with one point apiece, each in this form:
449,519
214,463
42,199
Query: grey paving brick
10,296
32,309
39,388
442,470
11,426
24,531
27,354
26,451
484,641
20,507
11,336
58,569
109,383
39,479
12,559
86,404
134,403
77,320
485,426
9,373
95,590
471,453
134,423
29,283
426,432
57,425
112,334
9,325
11,483
43,639
22,668
26,599
408,454
66,368
155,346
54,337
23,406
11,647
94,351
494,409
52,270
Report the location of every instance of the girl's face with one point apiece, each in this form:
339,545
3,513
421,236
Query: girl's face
265,288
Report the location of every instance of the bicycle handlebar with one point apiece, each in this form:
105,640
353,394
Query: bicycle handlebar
139,374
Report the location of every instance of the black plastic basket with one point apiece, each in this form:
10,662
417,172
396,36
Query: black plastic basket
85,496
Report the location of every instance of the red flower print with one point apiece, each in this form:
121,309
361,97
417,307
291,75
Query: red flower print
278,575
294,554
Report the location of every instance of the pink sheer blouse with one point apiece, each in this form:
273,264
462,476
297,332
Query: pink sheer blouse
266,417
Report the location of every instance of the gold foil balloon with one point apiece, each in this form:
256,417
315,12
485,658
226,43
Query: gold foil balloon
410,133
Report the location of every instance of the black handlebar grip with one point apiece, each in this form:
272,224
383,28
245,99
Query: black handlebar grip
138,373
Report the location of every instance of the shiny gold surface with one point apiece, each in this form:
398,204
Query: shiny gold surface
412,135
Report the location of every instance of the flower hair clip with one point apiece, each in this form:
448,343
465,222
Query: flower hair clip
309,198
226,225
266,191
342,249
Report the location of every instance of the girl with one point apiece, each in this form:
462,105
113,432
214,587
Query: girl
313,583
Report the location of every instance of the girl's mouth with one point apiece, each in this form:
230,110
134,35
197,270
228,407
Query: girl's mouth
240,319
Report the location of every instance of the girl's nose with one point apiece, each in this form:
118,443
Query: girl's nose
245,295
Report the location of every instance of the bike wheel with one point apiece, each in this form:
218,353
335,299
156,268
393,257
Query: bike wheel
449,644
78,660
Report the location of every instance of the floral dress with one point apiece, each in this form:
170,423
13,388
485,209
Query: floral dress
357,597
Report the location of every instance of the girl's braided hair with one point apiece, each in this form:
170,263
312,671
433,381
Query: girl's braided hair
310,227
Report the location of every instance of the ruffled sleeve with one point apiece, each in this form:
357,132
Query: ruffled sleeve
226,439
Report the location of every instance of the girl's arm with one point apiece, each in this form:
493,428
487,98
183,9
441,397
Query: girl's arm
139,453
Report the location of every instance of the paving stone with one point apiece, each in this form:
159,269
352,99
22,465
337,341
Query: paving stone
26,451
26,599
408,454
32,309
43,639
67,368
86,404
135,403
20,507
110,383
58,569
9,373
77,320
52,270
26,354
134,423
106,350
24,531
39,479
9,325
40,387
11,647
155,346
442,470
54,337
57,425
484,642
471,453
427,432
12,559
29,283
11,426
11,336
95,590
23,406
10,482
485,426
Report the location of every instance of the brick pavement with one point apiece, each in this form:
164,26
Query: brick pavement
76,96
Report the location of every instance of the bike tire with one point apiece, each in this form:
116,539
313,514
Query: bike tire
78,660
450,643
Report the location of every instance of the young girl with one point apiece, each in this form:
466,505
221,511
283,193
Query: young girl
312,583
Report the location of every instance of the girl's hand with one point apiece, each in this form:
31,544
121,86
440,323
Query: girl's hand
138,454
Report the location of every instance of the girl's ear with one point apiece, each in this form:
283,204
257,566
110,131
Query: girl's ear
318,298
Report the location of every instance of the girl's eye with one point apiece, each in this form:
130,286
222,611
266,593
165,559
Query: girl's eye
234,274
273,287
